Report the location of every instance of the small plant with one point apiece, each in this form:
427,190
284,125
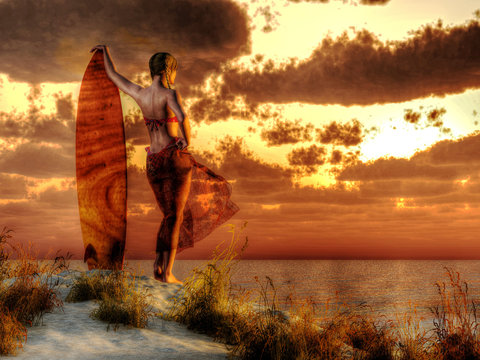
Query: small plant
94,285
119,301
134,310
12,333
412,341
455,320
28,299
207,303
5,265
28,290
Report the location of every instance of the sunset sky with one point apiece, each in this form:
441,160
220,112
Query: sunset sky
348,129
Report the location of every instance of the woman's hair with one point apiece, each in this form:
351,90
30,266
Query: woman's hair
162,62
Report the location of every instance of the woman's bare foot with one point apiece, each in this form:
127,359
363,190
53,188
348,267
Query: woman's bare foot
170,278
158,275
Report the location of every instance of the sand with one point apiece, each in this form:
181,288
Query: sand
71,334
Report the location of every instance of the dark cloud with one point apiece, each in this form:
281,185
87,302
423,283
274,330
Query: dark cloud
434,117
412,116
407,189
216,105
463,151
287,132
64,105
394,168
336,157
435,60
348,134
37,127
353,2
12,187
308,159
135,130
270,17
200,34
58,198
37,160
445,160
252,176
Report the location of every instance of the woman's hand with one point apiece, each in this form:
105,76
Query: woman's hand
99,47
181,143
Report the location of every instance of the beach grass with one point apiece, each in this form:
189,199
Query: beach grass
28,290
120,302
250,323
206,303
307,330
12,333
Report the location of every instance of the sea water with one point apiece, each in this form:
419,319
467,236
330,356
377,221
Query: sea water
388,288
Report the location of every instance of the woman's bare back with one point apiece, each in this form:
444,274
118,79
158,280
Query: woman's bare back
152,101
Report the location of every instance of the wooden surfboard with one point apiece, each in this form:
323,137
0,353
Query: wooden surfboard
101,168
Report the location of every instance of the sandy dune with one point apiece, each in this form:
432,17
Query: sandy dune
72,334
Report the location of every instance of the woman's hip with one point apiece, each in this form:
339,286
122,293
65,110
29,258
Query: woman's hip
174,164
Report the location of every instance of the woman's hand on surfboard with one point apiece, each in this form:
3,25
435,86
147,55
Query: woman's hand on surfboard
99,47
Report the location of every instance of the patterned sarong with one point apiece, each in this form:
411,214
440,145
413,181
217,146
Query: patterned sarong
208,204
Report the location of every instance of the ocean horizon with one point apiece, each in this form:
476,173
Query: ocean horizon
388,289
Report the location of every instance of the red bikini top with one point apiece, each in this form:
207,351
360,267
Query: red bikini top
158,122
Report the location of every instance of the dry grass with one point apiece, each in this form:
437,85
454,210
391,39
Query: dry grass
12,333
207,304
97,284
251,330
455,320
119,300
28,289
261,330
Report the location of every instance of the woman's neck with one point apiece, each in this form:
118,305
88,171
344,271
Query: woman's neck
161,81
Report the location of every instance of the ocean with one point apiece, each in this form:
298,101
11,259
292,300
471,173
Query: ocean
388,288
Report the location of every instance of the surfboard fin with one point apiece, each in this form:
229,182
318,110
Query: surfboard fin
90,252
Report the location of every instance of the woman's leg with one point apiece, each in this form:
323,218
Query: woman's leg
159,266
181,190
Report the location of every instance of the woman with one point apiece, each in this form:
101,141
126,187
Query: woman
193,199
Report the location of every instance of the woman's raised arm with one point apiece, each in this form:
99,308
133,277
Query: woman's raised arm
122,83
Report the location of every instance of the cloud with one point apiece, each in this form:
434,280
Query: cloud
252,175
37,127
361,2
286,132
201,35
64,105
412,116
463,151
341,134
374,2
308,159
394,168
336,157
58,198
37,160
135,131
445,160
435,60
12,187
433,118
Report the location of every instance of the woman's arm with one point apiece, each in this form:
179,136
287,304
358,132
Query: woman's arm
174,102
122,83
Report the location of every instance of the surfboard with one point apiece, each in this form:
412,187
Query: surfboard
101,168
